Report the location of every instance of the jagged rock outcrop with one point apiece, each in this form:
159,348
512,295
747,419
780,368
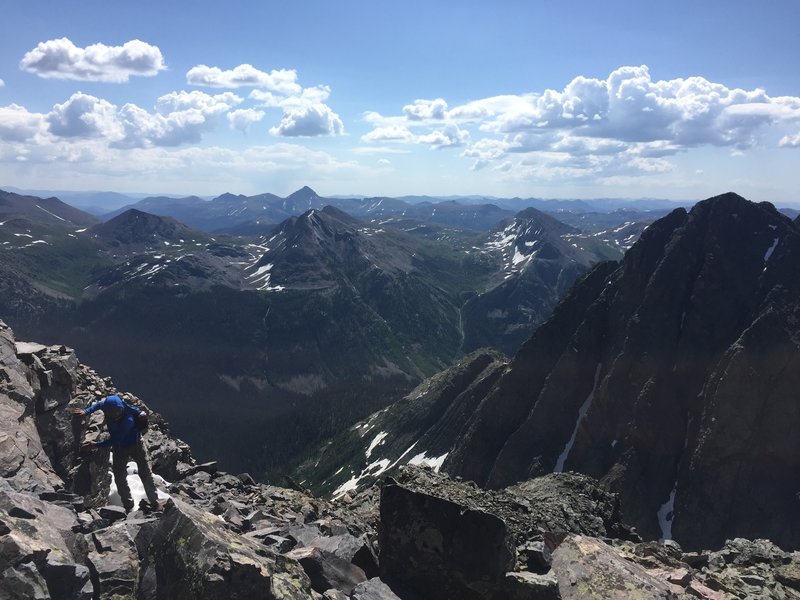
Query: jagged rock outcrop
450,539
59,540
670,377
553,537
226,536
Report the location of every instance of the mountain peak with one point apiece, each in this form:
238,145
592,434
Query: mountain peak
228,197
135,226
303,192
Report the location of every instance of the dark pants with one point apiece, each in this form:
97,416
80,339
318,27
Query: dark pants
138,453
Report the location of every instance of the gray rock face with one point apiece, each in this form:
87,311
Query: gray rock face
587,567
373,589
38,548
194,556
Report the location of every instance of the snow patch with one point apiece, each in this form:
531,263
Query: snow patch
665,514
49,213
374,469
518,257
435,462
135,484
559,468
377,440
770,250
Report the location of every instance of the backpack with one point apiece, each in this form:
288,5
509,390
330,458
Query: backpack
141,421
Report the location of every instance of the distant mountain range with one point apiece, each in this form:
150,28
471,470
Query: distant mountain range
251,215
657,356
323,310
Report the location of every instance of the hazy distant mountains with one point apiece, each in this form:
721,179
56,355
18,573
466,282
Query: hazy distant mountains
323,310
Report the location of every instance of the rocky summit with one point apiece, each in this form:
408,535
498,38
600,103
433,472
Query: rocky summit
417,536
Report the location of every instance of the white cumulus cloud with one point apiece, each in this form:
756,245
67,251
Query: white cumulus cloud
2,83
306,119
283,81
624,125
17,124
179,118
426,109
790,141
242,118
447,137
391,133
145,129
201,101
83,115
61,59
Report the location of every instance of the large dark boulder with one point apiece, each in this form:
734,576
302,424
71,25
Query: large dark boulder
439,547
449,539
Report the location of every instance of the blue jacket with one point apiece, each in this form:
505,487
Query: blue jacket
122,433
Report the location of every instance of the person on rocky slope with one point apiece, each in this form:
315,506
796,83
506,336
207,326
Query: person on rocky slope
125,440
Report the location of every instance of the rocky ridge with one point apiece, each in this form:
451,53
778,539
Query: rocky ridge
668,376
418,536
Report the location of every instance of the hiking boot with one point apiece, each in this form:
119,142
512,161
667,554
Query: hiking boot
147,507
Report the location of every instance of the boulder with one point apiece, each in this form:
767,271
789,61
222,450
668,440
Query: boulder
38,546
587,567
440,548
114,562
327,571
374,589
194,555
524,585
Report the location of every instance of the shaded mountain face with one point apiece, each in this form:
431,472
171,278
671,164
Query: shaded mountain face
136,230
50,211
670,376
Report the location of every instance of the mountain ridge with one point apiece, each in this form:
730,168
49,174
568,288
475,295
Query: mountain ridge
651,375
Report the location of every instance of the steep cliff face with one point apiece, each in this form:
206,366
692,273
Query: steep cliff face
669,377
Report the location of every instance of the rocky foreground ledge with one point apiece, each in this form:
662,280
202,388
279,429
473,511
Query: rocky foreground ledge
418,535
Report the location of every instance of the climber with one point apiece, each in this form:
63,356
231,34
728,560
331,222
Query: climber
125,440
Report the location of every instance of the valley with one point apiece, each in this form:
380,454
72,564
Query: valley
260,346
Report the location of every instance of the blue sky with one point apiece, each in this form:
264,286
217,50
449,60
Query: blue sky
509,98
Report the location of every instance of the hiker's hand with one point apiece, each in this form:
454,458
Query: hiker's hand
85,446
78,412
